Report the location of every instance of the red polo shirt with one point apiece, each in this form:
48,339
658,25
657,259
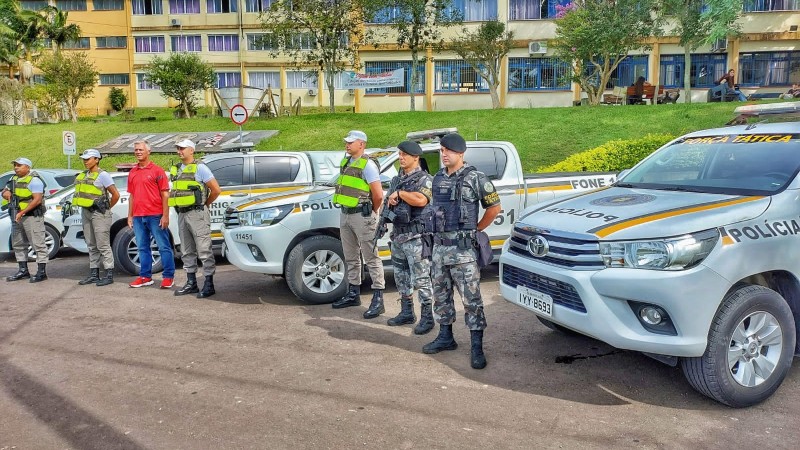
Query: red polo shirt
144,186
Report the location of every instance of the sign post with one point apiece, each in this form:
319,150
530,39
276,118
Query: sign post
239,116
69,141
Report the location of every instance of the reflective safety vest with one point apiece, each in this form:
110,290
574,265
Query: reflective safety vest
351,187
86,193
22,192
186,191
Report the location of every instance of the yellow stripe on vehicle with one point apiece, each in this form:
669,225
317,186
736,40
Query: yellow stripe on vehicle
558,187
266,200
261,190
605,231
216,235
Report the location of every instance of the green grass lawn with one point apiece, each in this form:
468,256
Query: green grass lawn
543,136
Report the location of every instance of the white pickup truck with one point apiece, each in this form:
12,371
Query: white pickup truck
295,233
692,257
241,175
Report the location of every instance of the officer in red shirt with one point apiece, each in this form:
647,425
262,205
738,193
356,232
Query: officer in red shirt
148,215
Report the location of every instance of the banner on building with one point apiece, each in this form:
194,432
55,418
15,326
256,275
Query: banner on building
353,80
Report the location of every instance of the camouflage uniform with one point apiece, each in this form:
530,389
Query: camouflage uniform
411,269
454,266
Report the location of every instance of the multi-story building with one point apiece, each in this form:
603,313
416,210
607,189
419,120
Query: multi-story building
124,35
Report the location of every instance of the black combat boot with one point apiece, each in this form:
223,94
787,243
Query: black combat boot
108,279
41,273
22,272
376,305
349,299
406,313
208,287
477,358
190,287
94,277
444,341
426,322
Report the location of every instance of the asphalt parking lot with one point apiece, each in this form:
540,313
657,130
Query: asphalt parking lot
83,367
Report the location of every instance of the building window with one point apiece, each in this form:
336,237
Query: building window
389,14
228,79
372,67
71,5
33,5
476,10
187,43
538,74
264,80
534,9
184,6
257,5
771,5
221,6
223,42
147,7
144,84
303,41
108,5
110,79
705,70
262,41
80,43
457,76
628,70
301,79
111,42
769,69
149,44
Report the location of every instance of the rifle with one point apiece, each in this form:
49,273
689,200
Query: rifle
13,203
387,214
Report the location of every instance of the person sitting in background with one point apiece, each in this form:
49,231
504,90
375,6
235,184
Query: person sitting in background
794,92
728,84
638,92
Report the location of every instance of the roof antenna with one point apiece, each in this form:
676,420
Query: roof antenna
477,121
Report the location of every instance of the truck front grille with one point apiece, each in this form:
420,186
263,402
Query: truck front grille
563,294
574,253
231,219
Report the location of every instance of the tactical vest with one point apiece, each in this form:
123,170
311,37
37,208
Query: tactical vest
86,193
23,194
447,201
186,191
405,213
351,187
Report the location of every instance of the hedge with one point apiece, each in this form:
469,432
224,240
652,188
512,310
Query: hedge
613,156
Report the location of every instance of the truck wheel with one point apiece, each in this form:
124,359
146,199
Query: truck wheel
750,348
126,253
315,270
51,239
556,327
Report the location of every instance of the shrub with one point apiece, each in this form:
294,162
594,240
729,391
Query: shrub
117,99
613,156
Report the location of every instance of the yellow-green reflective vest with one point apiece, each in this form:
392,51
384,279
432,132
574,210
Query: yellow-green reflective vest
186,191
351,187
22,192
86,193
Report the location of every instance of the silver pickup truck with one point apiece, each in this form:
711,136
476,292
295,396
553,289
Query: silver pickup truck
692,257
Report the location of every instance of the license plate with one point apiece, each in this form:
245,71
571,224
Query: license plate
243,237
535,300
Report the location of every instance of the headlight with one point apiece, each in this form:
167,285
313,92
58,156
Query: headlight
264,217
665,254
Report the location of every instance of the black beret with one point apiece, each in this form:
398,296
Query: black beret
454,142
410,147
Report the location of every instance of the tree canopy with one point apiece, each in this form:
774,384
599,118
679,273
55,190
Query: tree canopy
68,77
180,76
484,50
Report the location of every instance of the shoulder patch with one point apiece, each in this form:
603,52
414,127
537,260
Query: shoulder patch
488,186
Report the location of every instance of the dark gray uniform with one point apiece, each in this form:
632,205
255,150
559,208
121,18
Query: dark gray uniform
454,264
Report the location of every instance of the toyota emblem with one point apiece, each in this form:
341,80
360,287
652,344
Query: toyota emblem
538,246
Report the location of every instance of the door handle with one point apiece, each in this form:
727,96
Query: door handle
239,194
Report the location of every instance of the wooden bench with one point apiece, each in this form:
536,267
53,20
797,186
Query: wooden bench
616,97
648,93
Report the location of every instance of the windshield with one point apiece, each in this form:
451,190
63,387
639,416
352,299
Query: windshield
751,164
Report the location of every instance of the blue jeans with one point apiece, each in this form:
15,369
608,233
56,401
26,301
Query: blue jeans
144,227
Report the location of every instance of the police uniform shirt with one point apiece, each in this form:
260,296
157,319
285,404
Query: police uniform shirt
36,186
371,172
476,188
103,180
203,174
424,185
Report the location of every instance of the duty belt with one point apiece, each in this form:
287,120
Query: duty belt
185,209
356,209
462,240
408,228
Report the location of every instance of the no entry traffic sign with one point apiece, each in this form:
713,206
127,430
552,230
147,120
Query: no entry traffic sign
239,114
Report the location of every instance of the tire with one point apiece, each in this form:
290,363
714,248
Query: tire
315,270
556,327
750,348
51,239
126,253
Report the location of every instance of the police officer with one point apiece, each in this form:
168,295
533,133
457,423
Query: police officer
26,195
194,189
92,189
409,201
458,189
359,195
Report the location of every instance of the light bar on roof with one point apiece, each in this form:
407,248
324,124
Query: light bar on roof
430,134
771,108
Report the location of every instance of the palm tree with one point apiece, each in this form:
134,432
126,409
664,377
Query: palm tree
57,29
